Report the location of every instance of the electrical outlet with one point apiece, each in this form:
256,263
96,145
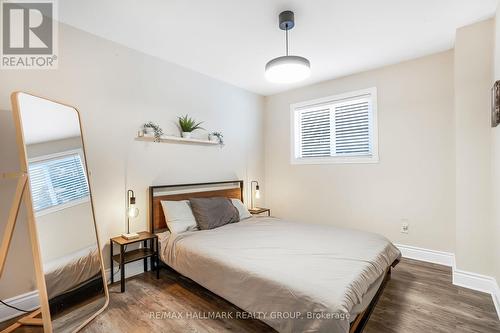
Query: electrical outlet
405,226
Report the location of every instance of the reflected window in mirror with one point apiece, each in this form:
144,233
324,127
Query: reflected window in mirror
58,181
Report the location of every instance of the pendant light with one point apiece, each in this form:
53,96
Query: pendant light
288,68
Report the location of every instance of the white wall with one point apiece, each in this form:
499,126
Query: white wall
473,78
439,159
495,159
116,90
415,178
52,147
72,227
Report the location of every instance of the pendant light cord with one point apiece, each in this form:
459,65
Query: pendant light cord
286,40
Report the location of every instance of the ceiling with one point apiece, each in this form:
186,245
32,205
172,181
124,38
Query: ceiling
232,40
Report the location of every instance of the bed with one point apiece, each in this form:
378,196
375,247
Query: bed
73,276
295,277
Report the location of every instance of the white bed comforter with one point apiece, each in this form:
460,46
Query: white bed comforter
68,272
295,277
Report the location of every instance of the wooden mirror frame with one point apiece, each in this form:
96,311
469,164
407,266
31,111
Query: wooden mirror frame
35,247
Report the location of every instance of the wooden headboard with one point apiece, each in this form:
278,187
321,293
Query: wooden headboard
230,189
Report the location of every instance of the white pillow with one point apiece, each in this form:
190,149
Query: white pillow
179,216
242,209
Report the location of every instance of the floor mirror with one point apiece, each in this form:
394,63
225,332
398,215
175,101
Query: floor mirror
59,200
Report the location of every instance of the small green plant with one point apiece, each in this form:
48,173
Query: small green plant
188,124
219,136
158,132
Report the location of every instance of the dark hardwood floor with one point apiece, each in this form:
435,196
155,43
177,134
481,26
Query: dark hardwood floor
419,298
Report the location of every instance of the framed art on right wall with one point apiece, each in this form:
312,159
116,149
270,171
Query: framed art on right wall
495,104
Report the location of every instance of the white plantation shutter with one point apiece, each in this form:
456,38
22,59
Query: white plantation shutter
352,128
336,129
315,133
58,181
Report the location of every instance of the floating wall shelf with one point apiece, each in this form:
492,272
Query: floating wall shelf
176,139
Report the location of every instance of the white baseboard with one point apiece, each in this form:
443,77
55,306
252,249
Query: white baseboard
479,282
432,256
131,269
474,281
496,300
469,280
28,302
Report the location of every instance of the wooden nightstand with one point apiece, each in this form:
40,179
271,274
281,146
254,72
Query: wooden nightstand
144,253
258,211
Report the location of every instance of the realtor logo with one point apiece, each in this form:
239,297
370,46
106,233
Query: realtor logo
29,36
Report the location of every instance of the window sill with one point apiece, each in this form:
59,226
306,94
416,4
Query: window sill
64,206
336,160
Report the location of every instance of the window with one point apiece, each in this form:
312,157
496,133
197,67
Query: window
58,181
336,129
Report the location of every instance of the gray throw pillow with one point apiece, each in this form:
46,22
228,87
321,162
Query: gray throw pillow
211,213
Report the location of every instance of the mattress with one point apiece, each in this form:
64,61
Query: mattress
295,277
68,272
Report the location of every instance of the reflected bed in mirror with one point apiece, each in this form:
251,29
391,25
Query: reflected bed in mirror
54,156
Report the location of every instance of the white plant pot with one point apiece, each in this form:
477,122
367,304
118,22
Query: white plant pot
186,135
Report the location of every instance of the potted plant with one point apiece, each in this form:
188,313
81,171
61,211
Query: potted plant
216,136
154,129
188,125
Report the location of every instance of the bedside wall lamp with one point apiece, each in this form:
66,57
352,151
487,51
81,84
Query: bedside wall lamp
257,192
132,212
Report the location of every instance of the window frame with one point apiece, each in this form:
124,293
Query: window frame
328,101
53,156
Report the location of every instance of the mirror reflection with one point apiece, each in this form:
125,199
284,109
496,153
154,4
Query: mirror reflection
63,211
